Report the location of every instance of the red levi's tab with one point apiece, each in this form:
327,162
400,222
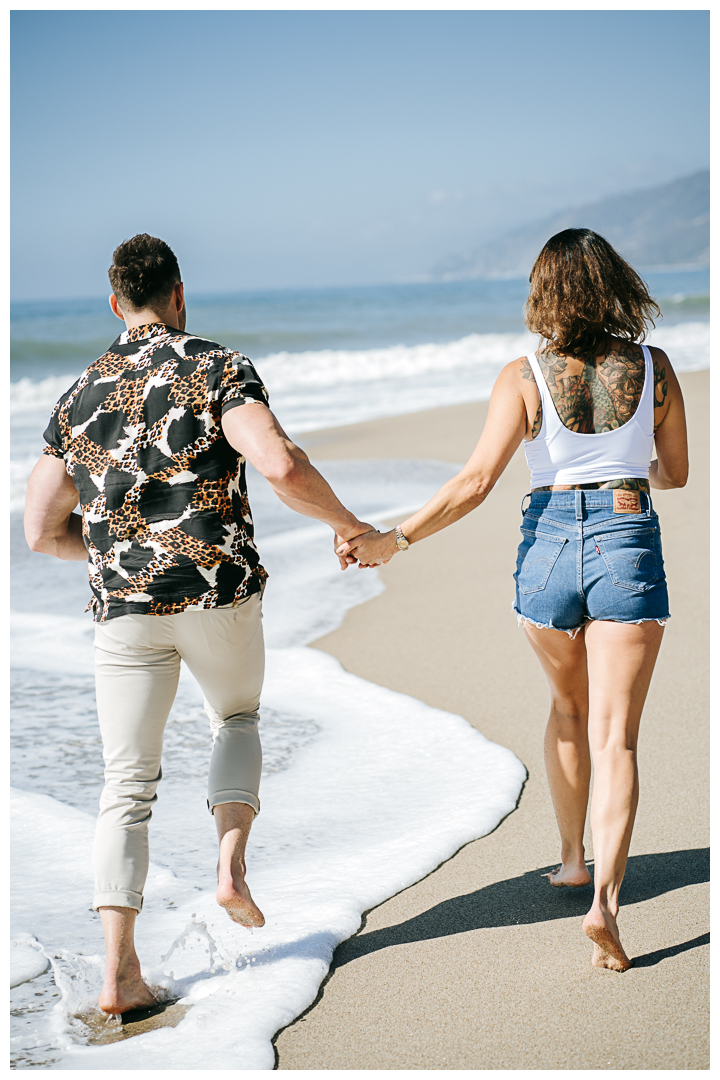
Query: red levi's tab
626,502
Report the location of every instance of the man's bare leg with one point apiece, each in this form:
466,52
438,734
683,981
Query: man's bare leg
621,658
233,822
567,753
123,988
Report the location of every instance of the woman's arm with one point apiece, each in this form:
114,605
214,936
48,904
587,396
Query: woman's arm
670,468
504,429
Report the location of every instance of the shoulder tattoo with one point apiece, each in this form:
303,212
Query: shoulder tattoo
526,370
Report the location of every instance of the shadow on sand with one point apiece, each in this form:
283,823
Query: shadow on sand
529,898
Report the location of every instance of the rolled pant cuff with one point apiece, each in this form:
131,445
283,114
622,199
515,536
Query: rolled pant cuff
118,898
233,795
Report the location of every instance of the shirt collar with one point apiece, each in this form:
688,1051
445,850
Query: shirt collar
146,330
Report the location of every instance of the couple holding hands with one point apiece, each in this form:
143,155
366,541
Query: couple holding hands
152,442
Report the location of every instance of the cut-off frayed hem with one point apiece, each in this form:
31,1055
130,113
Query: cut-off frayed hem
635,622
572,634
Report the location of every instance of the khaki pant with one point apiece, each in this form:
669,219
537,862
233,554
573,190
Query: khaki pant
137,666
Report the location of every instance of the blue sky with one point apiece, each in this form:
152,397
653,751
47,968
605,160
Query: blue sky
296,148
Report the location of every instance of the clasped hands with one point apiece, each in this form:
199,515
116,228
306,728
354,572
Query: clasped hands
366,548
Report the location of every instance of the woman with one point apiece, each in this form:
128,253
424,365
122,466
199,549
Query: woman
590,585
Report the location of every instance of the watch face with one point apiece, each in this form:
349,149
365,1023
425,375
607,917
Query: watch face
402,543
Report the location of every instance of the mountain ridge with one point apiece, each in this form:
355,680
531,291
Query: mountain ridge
664,226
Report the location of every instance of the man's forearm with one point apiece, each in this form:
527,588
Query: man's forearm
304,490
256,434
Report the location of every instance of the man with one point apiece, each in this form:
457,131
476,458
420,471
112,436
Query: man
152,441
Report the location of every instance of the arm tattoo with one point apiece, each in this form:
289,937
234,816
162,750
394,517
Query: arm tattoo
661,386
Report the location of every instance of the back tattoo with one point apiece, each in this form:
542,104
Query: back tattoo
602,398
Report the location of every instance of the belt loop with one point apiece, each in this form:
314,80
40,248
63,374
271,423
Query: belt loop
578,505
650,505
524,508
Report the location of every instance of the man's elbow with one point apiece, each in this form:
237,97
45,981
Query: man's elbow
37,540
284,471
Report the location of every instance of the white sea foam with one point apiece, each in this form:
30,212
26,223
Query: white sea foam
686,344
329,387
388,783
355,776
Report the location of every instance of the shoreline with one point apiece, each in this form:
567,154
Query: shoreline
482,964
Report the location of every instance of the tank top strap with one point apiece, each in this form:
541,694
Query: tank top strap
549,412
645,411
532,361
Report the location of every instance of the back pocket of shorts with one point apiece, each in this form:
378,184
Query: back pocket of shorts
632,558
537,555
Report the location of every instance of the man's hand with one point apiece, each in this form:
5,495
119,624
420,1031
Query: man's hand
370,548
346,559
50,525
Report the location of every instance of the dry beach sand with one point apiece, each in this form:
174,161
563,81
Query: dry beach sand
483,965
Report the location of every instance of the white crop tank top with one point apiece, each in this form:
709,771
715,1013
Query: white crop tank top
559,456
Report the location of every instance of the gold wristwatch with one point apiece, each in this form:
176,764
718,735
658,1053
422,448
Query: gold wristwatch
402,541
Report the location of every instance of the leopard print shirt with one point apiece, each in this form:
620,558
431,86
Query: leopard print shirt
166,518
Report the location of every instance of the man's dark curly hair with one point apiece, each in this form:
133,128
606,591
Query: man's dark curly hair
144,272
581,291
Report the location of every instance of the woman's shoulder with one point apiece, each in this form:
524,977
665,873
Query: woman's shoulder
519,374
519,369
520,381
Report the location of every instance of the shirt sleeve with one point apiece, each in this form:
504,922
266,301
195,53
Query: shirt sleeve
56,441
240,384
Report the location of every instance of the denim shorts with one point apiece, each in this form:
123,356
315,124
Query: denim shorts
579,561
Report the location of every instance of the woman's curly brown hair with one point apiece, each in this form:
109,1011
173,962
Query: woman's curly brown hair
144,272
581,291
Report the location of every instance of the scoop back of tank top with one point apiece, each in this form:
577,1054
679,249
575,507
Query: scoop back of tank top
560,456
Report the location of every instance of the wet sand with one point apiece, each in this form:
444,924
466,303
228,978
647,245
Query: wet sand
483,965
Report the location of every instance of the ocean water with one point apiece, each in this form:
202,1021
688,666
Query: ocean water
331,356
354,775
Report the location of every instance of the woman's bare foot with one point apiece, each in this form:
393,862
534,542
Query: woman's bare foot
601,959
601,927
124,989
572,876
234,895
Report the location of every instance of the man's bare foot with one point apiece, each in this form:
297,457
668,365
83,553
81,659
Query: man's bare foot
234,895
572,876
125,990
601,928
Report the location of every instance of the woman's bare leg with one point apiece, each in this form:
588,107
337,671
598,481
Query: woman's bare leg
567,754
233,821
621,658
